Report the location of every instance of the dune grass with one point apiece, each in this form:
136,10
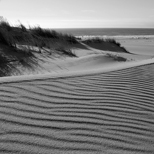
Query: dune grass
65,51
5,36
13,35
105,44
100,40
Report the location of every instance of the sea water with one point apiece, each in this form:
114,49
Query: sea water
125,32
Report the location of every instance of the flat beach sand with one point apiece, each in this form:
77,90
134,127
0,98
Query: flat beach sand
93,106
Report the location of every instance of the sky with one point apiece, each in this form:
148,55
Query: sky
80,13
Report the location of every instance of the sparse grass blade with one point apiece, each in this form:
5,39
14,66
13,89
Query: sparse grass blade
67,52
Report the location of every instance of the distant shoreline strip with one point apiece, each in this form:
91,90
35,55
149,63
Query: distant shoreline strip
117,36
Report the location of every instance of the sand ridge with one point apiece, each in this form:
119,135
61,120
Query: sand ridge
108,112
79,71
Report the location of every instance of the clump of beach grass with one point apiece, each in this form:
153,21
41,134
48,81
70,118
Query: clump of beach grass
105,44
52,34
100,40
34,36
5,35
65,51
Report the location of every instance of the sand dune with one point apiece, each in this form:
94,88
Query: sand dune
75,96
101,113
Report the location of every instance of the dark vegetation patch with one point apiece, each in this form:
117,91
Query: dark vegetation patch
105,44
11,36
65,51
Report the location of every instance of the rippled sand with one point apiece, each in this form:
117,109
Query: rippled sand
102,113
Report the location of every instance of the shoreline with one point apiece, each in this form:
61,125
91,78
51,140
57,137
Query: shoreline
116,36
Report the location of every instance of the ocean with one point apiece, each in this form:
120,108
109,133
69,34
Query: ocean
139,41
107,32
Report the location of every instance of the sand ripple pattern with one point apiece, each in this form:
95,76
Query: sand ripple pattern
110,113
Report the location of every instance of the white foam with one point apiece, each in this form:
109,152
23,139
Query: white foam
118,36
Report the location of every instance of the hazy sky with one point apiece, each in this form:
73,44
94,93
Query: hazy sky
80,13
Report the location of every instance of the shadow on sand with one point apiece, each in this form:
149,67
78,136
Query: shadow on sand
14,62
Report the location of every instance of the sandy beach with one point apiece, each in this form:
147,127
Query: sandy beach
90,104
61,94
76,77
143,45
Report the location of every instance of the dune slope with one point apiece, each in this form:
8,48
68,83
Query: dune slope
109,113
